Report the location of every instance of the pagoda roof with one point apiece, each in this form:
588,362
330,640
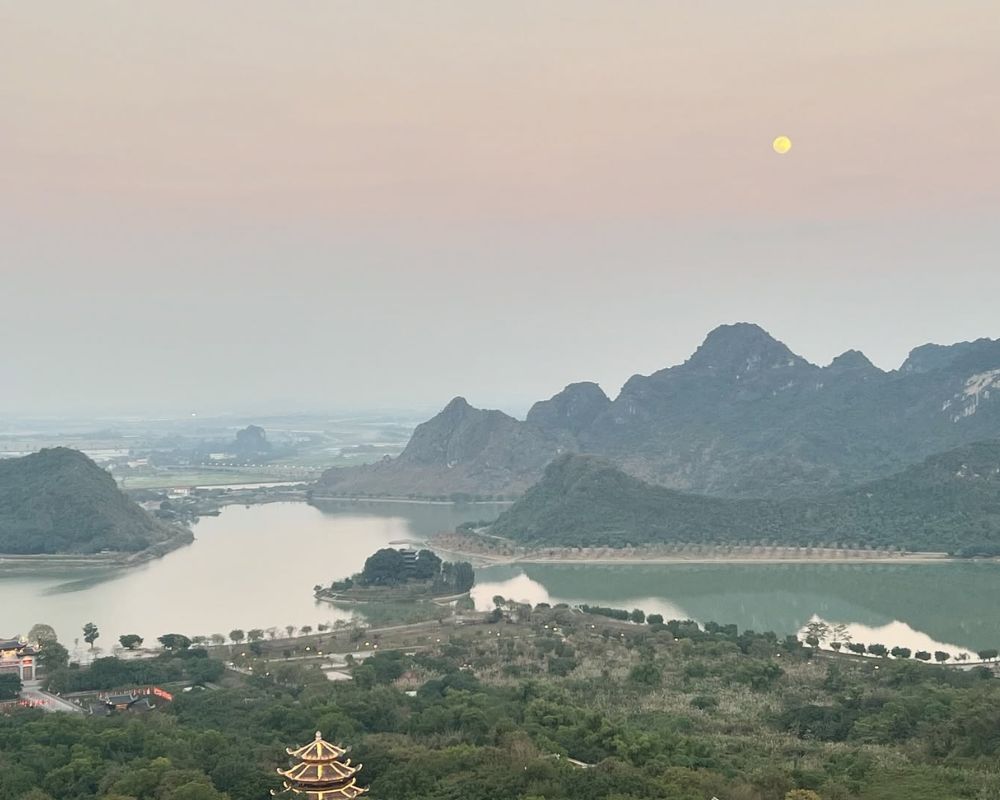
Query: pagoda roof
318,750
311,772
346,792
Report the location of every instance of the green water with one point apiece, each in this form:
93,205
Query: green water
913,605
255,567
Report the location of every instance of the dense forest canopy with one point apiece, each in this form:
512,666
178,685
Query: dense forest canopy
390,567
950,502
650,711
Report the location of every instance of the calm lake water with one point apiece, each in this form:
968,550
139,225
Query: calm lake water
254,567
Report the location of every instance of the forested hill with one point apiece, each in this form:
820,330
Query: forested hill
744,416
948,503
59,501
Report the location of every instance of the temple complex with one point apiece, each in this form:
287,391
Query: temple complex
322,772
18,657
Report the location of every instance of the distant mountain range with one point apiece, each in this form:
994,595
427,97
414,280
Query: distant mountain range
743,417
59,501
951,502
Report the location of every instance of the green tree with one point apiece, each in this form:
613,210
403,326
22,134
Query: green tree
940,656
10,685
53,656
637,615
816,633
923,655
655,619
988,655
878,650
645,673
385,567
130,641
901,652
237,635
174,641
255,634
90,634
41,633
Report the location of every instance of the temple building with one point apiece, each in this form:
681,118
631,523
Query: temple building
18,657
322,772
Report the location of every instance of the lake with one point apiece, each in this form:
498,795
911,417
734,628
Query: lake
254,567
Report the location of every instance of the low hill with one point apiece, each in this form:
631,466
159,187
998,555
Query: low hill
59,501
950,502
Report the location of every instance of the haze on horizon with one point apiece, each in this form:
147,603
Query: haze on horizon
253,206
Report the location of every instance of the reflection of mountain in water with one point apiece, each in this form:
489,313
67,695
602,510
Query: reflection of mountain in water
950,602
423,519
894,634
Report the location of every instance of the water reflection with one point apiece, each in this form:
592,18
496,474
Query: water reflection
250,567
887,604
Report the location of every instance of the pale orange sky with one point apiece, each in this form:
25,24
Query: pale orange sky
596,151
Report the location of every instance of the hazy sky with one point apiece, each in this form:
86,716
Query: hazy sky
245,205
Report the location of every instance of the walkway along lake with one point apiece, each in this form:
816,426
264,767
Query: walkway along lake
255,567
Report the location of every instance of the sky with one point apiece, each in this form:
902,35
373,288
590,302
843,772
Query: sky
249,206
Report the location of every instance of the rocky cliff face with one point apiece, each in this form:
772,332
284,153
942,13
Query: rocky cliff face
743,417
573,410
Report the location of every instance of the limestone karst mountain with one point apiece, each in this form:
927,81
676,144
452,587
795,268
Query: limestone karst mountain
59,501
744,416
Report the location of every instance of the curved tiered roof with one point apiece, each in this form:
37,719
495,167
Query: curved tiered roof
322,773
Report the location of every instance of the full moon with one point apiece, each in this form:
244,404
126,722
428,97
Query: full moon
782,145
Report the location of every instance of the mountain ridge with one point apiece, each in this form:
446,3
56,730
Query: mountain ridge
744,416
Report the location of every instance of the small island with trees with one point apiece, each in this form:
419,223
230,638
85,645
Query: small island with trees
392,574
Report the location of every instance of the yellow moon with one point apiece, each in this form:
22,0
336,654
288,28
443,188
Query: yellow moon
782,145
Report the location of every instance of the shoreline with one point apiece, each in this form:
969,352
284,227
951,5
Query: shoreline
18,564
547,557
405,501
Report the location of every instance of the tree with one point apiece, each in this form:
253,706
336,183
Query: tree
218,639
427,565
655,619
53,656
174,641
840,633
879,650
816,632
130,641
305,630
255,634
290,630
464,576
41,633
90,634
646,673
637,616
10,685
941,656
988,655
237,635
385,567
901,652
856,647
923,655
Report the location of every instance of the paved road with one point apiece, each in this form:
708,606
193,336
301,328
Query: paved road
51,702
